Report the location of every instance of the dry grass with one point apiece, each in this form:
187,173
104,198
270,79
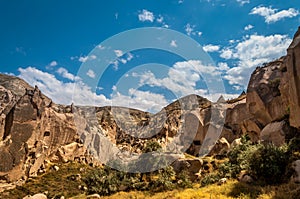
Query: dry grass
58,183
232,189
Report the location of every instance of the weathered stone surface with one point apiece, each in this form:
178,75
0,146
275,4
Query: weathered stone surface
94,196
264,99
296,168
293,79
192,166
221,147
31,129
274,133
36,196
235,143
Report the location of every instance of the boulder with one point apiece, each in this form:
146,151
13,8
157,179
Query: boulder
274,133
264,99
94,196
36,196
221,147
235,143
192,166
296,168
293,80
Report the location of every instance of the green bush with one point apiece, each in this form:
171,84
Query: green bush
183,180
268,163
210,178
152,146
164,179
102,181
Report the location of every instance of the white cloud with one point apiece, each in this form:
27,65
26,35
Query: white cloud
53,64
65,74
223,66
101,47
86,58
252,52
248,27
121,58
165,26
63,92
226,53
160,19
211,48
273,15
242,2
181,79
173,44
59,91
83,59
119,53
91,74
189,29
146,15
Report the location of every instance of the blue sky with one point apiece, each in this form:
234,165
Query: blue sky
47,42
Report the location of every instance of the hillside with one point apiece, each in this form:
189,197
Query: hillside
36,133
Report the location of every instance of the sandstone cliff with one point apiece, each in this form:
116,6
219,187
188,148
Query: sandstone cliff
34,130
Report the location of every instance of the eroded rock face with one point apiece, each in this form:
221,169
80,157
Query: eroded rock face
33,129
293,80
264,100
274,133
296,167
30,130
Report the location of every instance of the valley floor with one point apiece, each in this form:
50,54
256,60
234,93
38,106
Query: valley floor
232,189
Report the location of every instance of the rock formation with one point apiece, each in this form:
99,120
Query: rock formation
35,130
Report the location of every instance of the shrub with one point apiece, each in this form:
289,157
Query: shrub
268,163
102,181
183,180
164,179
238,158
151,146
210,178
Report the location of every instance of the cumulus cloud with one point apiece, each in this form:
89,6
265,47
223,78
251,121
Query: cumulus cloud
119,53
121,58
65,74
53,64
146,15
248,27
173,43
242,2
189,29
91,74
160,19
252,52
223,66
211,48
181,79
273,15
63,92
144,100
86,58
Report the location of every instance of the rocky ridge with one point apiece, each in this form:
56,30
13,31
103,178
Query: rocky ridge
35,131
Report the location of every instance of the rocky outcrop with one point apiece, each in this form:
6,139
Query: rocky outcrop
296,168
32,128
264,99
293,81
274,133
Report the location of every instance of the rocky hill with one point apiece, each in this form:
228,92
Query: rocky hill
35,131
